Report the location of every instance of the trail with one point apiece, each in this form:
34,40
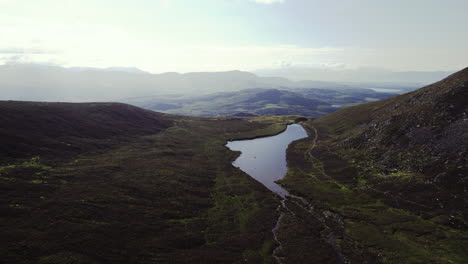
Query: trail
305,205
395,197
314,141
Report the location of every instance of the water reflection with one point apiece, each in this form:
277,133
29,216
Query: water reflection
265,158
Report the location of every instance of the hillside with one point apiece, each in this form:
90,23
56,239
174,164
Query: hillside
425,131
113,183
288,101
387,180
57,129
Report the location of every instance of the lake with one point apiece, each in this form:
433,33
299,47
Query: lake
385,90
264,159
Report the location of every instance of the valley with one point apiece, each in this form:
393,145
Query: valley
111,182
311,102
166,194
233,132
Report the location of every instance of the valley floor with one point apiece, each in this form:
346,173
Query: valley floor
167,197
173,196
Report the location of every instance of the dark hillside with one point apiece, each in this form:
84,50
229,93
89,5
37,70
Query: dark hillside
448,95
390,177
113,183
34,128
425,131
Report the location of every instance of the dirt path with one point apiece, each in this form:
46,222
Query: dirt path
302,203
314,141
395,197
283,205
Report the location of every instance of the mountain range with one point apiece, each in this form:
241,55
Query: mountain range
357,75
33,82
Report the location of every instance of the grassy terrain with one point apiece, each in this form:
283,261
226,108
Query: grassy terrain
412,146
368,226
387,180
389,177
165,195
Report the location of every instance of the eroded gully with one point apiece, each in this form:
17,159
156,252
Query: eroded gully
302,203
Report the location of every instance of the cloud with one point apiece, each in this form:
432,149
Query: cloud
268,1
13,58
23,51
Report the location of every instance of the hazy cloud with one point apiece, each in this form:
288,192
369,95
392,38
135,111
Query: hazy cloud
165,35
23,51
13,58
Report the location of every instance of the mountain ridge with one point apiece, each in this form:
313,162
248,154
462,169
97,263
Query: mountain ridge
31,82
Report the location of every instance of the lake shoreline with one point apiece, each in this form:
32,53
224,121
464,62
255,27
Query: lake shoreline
264,159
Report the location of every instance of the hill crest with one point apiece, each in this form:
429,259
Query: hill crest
57,129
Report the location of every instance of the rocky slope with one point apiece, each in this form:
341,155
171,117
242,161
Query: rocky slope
424,132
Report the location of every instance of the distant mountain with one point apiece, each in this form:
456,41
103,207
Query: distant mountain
52,83
111,69
360,75
32,82
294,101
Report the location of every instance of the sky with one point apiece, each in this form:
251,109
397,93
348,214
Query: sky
220,35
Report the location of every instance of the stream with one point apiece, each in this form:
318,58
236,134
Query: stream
264,159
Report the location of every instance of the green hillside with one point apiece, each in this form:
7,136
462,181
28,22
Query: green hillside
112,183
